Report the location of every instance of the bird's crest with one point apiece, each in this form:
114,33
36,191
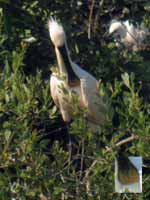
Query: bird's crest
57,33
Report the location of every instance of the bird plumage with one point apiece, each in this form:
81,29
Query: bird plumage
129,35
56,32
71,78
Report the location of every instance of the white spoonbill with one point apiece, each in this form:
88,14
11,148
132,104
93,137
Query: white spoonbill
130,36
72,79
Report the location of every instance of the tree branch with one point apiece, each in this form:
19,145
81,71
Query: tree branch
90,19
122,142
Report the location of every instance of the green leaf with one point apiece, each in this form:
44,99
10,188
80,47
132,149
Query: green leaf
126,80
7,134
58,190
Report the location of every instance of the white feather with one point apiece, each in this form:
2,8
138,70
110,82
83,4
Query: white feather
114,25
56,32
130,35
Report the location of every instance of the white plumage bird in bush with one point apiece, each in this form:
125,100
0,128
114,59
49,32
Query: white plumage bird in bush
71,79
129,35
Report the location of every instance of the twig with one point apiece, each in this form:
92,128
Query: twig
54,131
122,142
97,15
82,159
129,139
147,179
85,179
88,188
133,133
90,19
89,170
70,151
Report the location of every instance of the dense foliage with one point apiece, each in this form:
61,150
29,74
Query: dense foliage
35,160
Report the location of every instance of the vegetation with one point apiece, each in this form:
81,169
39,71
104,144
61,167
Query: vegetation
35,161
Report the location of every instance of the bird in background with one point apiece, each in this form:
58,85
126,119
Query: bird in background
129,35
71,78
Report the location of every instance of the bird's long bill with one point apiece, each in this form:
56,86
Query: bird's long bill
63,59
127,172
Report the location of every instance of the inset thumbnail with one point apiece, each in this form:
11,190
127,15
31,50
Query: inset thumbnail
128,174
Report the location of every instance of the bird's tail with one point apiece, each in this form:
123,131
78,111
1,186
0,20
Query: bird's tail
57,33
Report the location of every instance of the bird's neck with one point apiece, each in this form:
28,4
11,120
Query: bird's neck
61,63
65,64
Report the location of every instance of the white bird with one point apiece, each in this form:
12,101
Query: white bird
129,35
71,79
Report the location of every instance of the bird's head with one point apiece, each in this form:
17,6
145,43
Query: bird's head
114,26
117,29
57,33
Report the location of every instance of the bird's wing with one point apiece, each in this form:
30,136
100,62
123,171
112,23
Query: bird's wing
132,37
59,95
93,102
142,34
53,88
90,98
